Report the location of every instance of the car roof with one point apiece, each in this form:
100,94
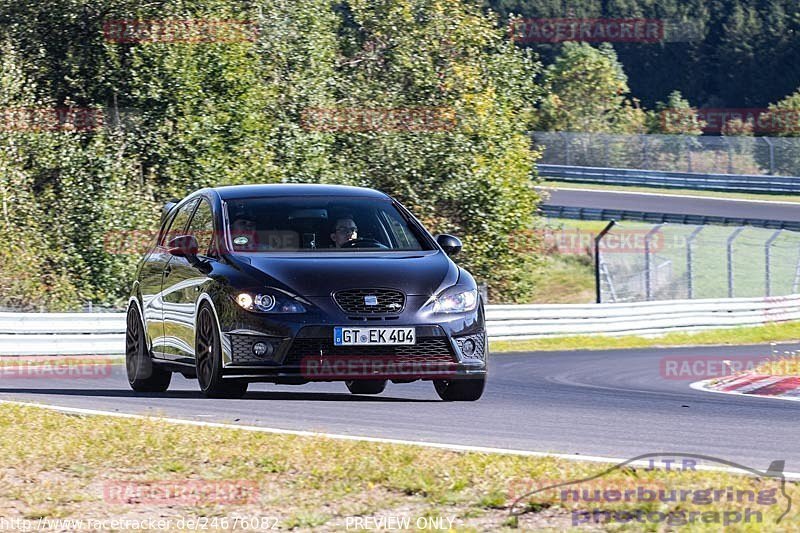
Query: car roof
233,192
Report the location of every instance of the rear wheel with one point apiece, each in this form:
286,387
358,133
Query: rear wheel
459,390
208,360
366,386
143,375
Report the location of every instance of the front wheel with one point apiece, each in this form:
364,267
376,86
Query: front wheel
143,375
208,360
366,386
459,390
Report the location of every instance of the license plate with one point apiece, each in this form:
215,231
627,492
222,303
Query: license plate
374,336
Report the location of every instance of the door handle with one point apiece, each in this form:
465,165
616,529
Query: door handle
167,271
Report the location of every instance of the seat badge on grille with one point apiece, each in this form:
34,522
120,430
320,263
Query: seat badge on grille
370,299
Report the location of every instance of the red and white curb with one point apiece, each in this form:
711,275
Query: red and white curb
758,385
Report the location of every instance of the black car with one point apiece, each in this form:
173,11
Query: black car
297,283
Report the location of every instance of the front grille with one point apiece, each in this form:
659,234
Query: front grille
429,349
389,301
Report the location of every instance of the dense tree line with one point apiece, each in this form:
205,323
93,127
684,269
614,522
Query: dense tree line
725,53
187,114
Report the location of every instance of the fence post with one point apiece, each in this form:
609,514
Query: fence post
645,152
730,154
688,154
796,279
771,155
731,238
690,261
597,259
767,273
483,289
564,138
648,266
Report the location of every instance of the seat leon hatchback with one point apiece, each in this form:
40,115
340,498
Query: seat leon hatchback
293,284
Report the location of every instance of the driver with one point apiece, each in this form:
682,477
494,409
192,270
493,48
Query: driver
344,230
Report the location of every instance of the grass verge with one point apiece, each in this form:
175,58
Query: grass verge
782,332
564,279
59,466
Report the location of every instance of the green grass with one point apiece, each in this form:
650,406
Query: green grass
783,332
710,265
564,279
661,190
55,465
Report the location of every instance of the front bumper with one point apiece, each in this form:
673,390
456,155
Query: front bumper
311,356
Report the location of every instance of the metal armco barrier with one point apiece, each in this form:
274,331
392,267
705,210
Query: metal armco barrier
594,213
84,334
676,180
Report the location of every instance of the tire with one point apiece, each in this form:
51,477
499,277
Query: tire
459,390
366,386
208,359
143,375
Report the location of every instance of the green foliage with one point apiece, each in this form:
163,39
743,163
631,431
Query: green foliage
180,116
727,53
587,91
675,116
784,118
473,180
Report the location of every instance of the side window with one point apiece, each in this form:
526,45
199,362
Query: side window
178,224
401,233
202,227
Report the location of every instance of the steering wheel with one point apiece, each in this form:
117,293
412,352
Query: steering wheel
364,243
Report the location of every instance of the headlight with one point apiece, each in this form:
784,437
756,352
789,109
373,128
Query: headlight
268,303
456,300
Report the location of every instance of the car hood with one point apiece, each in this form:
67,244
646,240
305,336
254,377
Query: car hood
320,274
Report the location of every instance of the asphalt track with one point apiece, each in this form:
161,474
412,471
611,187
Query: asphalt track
681,204
603,403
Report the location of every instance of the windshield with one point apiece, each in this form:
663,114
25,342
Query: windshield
320,224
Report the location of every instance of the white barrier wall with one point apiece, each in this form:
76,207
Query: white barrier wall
104,333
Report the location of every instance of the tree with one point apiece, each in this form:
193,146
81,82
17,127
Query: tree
675,116
473,177
587,91
212,113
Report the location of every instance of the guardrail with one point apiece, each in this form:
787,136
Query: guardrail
508,322
83,334
676,180
598,213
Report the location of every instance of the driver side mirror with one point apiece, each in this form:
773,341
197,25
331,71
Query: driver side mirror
183,246
450,244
